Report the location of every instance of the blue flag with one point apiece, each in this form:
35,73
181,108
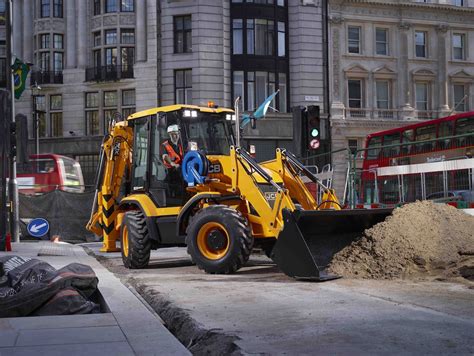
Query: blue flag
260,112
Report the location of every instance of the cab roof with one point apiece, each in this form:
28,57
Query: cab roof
177,107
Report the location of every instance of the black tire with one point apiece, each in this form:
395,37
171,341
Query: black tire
135,241
226,224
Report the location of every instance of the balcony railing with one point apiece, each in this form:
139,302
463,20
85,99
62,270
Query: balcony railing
387,114
46,77
425,114
108,73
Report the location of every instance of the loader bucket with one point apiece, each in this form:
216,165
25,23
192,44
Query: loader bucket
310,238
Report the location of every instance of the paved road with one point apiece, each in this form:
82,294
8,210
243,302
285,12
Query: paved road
261,311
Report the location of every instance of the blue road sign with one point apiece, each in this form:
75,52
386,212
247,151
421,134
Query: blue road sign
38,227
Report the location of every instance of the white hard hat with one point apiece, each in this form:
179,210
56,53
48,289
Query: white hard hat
173,128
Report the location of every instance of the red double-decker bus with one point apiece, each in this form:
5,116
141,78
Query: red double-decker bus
47,172
419,161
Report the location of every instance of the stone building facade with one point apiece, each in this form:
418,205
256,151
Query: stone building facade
94,60
396,62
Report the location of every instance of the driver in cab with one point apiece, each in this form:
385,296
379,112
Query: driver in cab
172,149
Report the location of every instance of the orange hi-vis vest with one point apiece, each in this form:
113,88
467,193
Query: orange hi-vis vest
174,156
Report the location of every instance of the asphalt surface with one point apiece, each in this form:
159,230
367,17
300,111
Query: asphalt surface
261,311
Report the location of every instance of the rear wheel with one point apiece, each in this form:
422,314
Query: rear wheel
219,239
135,241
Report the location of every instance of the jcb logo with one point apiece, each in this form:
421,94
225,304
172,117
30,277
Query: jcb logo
215,168
270,195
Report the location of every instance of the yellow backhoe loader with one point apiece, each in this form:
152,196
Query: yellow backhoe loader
218,201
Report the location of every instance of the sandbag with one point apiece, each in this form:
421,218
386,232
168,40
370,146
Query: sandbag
31,283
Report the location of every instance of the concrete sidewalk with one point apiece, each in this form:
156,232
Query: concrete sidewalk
131,327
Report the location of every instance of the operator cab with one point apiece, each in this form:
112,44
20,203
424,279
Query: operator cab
157,155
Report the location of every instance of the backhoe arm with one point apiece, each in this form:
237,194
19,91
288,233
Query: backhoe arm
115,157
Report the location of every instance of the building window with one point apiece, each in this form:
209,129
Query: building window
128,102
255,87
353,35
458,2
459,46
461,98
44,61
127,58
58,8
56,106
97,59
110,98
97,39
421,96
352,145
110,37
183,86
238,87
381,41
281,39
420,44
260,37
40,101
58,41
111,6
355,93
382,88
92,114
237,36
282,85
96,7
45,8
127,6
58,61
127,36
111,56
182,34
44,41
110,105
56,124
55,102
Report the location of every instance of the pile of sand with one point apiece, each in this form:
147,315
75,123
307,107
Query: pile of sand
422,238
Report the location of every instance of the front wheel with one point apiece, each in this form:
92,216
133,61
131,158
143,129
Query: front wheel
219,239
135,241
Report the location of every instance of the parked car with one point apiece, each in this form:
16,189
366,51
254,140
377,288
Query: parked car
452,195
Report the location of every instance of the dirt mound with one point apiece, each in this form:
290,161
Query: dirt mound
421,238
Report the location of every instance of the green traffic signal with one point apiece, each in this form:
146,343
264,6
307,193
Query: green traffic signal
314,132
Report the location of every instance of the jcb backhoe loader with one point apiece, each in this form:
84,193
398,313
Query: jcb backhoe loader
220,205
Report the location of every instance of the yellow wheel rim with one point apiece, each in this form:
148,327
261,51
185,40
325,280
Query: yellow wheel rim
213,241
125,241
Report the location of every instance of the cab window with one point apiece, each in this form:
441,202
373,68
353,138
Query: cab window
140,154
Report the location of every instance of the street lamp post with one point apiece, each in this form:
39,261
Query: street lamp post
35,92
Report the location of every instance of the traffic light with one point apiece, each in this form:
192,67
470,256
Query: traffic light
313,127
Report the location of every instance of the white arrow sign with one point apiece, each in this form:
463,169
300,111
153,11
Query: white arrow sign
36,228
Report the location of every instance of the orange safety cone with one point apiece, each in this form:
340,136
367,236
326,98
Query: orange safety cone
8,242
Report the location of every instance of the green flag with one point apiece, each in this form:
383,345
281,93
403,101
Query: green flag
20,72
